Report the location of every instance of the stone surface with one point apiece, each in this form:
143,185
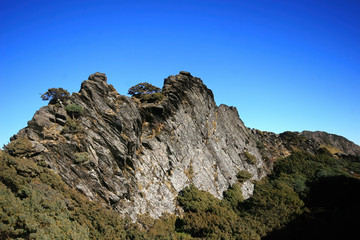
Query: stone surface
140,155
185,73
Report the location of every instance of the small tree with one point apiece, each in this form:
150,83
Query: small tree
74,110
55,95
243,176
143,88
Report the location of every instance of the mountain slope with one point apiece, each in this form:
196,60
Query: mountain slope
138,156
175,153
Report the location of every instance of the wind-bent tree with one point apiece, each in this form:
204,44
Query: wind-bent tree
143,88
55,95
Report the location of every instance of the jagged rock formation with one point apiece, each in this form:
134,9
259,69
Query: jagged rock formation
136,157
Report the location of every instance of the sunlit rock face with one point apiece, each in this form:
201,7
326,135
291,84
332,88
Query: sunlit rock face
135,156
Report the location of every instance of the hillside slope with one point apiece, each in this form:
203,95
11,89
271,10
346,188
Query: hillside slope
177,164
136,156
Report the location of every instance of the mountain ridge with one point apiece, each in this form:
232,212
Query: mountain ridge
136,157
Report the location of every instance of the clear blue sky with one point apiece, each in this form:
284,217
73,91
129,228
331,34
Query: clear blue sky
286,65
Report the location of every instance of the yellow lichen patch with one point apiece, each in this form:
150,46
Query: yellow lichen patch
170,187
158,128
333,150
124,136
214,126
189,172
140,186
110,112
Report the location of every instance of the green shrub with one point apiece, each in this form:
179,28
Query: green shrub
323,173
233,196
72,126
243,176
146,93
36,203
152,98
273,204
195,200
250,158
74,110
42,206
207,217
81,157
19,147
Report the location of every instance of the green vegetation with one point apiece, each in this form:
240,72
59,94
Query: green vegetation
233,197
55,95
74,110
250,158
207,217
36,204
243,176
72,126
277,200
146,92
81,157
152,98
143,88
193,200
19,147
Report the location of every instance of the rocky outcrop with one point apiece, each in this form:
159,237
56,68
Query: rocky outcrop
273,146
135,157
336,143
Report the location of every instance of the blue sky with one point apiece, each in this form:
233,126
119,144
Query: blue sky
285,65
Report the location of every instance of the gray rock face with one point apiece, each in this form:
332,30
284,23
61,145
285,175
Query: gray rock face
136,157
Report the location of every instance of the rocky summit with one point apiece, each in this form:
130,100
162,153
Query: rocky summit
136,156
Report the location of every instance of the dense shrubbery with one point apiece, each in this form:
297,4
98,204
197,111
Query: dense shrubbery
243,176
20,147
35,203
152,97
277,200
250,158
81,157
72,126
74,110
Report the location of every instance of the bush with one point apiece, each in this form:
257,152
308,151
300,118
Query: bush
74,110
207,217
299,183
42,206
19,147
273,204
233,196
146,92
243,176
81,157
192,199
72,126
152,98
250,158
